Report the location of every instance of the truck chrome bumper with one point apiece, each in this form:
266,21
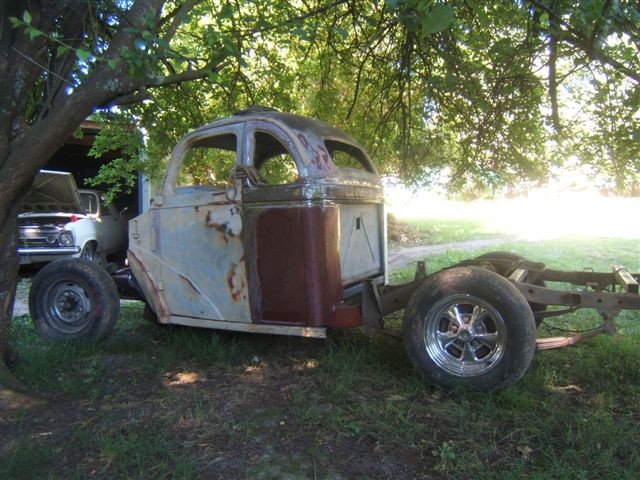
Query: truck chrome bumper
48,251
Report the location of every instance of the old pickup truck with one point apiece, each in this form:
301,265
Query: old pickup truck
57,220
302,251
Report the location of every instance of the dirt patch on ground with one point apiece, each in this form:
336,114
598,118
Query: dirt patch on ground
250,421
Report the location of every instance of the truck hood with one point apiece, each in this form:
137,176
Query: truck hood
52,192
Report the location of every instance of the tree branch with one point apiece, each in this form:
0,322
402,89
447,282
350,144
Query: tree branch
581,41
176,18
186,76
598,26
553,79
128,99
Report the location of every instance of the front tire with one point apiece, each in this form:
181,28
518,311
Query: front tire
469,327
73,299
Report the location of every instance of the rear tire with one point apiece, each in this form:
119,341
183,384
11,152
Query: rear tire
73,299
469,327
503,263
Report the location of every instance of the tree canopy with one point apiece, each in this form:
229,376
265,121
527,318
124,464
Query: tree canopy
477,95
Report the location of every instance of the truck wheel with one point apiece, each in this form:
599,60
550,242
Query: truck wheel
469,327
73,299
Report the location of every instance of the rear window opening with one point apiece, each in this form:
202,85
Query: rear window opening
347,156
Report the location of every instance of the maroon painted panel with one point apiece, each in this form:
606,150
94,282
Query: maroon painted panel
298,265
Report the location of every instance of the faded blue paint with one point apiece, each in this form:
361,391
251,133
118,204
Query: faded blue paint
198,261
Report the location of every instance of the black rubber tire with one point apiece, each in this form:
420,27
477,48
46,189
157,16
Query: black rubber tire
73,299
503,314
502,270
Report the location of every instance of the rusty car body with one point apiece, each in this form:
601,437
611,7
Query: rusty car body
257,256
304,251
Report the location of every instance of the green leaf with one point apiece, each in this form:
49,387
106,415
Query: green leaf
83,55
15,23
300,33
437,19
162,43
61,50
26,17
113,63
343,32
33,32
483,18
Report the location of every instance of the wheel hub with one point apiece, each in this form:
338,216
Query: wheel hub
464,335
70,305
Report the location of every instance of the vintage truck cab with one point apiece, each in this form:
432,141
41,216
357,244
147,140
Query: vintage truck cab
281,247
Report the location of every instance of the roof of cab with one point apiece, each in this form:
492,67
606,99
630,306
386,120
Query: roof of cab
292,121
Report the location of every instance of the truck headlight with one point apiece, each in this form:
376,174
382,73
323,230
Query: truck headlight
66,238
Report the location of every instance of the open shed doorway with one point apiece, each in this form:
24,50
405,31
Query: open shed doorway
74,157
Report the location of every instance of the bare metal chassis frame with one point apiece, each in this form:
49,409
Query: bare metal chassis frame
607,292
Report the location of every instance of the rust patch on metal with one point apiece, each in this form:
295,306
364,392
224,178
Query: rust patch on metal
298,266
303,138
236,281
223,228
319,155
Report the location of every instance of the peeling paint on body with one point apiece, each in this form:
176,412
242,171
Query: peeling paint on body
237,281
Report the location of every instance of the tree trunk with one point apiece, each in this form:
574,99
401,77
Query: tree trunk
13,395
27,143
8,276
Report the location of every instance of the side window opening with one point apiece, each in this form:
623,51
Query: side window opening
347,156
273,161
89,203
208,162
105,211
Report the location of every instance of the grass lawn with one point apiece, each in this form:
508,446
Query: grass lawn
165,402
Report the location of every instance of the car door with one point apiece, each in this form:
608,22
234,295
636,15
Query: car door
198,230
111,228
291,241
